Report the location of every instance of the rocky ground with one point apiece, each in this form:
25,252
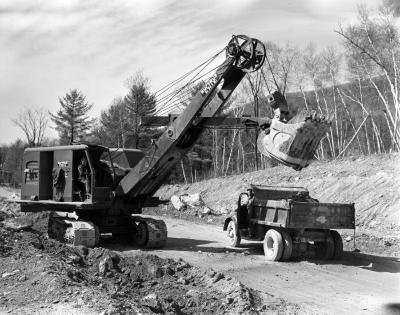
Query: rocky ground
40,275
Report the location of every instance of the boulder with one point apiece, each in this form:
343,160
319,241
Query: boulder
154,271
182,280
177,203
206,210
218,276
105,264
153,302
81,250
193,200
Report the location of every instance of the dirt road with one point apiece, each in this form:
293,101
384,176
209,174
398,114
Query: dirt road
359,284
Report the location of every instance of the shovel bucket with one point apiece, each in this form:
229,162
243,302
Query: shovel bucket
293,143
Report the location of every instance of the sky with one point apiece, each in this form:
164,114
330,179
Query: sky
51,47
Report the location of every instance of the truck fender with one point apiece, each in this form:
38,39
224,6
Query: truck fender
227,220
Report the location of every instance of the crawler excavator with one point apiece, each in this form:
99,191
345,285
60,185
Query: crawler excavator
121,182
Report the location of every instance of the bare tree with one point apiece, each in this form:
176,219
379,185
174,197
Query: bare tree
373,48
278,69
330,60
33,122
253,88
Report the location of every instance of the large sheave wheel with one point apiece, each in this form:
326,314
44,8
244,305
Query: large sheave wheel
338,245
288,245
273,245
233,235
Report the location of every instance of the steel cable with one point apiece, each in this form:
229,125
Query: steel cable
183,93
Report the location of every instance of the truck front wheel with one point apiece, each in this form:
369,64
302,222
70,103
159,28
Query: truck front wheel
233,235
273,245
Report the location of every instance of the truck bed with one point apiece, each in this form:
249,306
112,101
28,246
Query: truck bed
321,215
304,215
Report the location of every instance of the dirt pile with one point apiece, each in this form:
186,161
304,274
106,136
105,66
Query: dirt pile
8,209
38,273
371,182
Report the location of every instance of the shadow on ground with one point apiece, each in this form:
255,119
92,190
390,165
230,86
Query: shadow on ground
392,309
364,261
183,244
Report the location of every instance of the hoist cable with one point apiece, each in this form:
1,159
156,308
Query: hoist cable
165,100
168,106
191,80
166,87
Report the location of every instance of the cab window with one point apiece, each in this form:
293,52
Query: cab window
32,172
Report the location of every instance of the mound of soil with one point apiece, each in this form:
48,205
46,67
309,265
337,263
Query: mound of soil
39,275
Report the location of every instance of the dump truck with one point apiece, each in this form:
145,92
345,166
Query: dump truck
91,189
289,222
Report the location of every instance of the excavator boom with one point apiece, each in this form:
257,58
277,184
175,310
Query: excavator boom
244,55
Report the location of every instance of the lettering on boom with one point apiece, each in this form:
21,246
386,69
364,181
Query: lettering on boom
204,91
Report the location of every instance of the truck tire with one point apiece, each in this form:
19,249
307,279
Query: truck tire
288,245
232,233
273,245
325,250
330,247
338,245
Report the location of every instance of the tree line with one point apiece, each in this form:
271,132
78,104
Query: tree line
357,85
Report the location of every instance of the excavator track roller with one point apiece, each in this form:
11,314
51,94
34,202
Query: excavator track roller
150,233
73,232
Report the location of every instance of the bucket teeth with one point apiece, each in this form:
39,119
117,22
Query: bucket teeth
294,143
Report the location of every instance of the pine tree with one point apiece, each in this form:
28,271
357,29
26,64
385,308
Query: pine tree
140,102
71,120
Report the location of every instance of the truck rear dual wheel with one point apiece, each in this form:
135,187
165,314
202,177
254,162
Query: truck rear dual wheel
288,245
338,245
278,245
332,248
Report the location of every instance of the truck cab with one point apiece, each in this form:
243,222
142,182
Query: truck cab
52,173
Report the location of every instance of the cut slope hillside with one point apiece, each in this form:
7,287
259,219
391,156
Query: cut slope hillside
371,182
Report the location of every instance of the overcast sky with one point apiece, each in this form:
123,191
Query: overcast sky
50,47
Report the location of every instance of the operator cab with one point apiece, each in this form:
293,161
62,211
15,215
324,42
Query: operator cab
75,173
